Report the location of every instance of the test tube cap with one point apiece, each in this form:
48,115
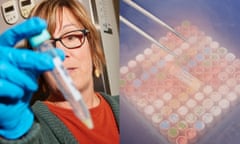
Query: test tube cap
38,39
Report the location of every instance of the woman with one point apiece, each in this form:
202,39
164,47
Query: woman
72,32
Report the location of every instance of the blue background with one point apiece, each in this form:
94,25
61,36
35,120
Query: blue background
219,19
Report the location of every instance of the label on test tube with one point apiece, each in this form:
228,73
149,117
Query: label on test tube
199,96
178,51
232,97
199,126
224,104
172,134
156,119
137,83
167,96
62,72
181,140
148,52
183,97
191,118
186,77
230,57
123,70
199,110
222,51
174,103
214,45
207,118
166,111
230,69
216,111
223,76
191,134
231,82
215,96
191,103
141,103
207,89
182,111
223,89
164,126
161,64
207,103
130,76
173,118
144,76
153,70
158,104
182,125
149,110
132,64
140,58
199,57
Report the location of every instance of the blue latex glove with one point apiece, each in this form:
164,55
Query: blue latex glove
19,69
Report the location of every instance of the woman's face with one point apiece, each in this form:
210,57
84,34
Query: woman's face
78,61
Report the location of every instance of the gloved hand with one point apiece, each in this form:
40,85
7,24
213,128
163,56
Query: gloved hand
19,69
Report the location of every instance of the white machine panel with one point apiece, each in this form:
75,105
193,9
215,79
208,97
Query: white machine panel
9,12
25,7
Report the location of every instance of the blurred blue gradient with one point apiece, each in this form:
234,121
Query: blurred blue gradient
217,18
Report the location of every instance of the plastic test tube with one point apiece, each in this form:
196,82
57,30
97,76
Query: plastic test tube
63,80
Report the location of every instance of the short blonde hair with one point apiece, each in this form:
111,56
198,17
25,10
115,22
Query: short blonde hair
48,10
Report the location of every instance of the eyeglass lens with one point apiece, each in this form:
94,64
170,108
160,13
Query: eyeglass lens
73,39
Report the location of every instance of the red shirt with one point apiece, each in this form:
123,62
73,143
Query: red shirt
105,128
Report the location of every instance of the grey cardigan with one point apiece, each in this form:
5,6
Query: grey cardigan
48,129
